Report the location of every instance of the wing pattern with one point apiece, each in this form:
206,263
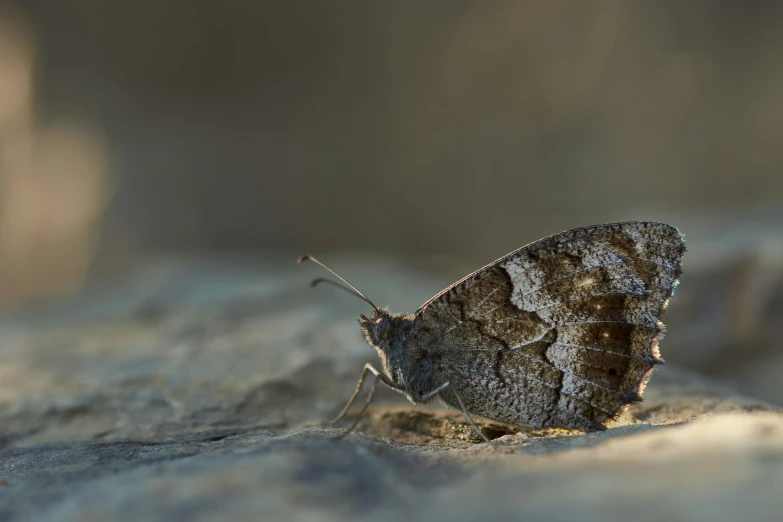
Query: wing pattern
562,332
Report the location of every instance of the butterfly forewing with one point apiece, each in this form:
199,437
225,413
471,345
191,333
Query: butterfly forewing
562,332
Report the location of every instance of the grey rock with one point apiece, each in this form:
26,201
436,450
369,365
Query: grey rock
199,391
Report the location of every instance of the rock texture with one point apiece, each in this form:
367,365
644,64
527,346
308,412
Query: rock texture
200,391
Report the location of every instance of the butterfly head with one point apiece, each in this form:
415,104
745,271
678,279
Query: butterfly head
382,327
378,327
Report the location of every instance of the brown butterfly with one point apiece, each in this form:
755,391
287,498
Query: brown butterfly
562,332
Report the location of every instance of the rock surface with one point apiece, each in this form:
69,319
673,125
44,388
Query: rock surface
200,391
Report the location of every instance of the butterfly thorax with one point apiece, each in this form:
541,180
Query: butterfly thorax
404,361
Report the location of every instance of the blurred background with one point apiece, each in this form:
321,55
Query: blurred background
444,133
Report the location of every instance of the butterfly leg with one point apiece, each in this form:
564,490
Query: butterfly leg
429,395
470,419
364,408
359,385
368,368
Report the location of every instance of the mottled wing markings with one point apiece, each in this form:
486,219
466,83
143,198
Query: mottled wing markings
516,408
578,272
561,332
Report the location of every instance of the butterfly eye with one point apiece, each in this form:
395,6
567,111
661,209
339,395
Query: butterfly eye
382,327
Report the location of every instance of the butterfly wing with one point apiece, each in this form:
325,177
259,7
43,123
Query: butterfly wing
562,332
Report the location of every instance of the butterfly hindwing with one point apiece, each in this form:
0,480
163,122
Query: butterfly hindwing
562,332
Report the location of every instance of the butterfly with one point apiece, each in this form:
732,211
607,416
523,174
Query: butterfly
562,332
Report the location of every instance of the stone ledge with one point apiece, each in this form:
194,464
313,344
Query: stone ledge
213,406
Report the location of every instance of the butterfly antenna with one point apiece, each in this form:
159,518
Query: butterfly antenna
348,286
316,282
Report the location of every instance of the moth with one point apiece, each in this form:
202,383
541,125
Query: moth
562,332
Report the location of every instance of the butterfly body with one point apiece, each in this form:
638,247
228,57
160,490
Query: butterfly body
563,332
412,364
